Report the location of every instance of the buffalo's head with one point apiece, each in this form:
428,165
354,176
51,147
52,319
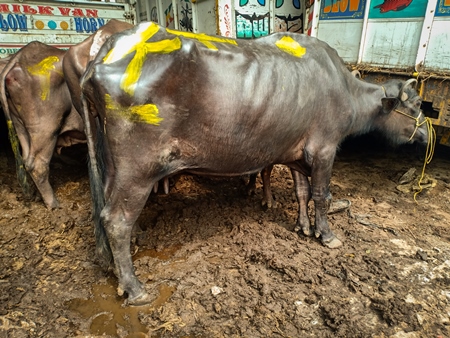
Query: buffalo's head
405,123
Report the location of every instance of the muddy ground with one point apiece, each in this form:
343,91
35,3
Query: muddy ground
219,265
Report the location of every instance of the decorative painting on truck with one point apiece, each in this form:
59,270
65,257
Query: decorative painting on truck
185,16
288,16
24,17
57,25
169,16
396,9
254,18
342,9
443,8
224,17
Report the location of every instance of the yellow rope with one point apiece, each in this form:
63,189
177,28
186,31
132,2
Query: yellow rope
429,153
430,144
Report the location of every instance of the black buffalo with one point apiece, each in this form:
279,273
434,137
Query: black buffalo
37,88
160,102
39,113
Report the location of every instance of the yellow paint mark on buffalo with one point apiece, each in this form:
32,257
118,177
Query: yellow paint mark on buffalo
146,113
128,44
290,46
134,68
138,43
203,38
44,69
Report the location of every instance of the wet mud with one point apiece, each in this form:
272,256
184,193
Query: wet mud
218,264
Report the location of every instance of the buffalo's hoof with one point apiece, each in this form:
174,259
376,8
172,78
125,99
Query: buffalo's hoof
309,232
271,204
142,299
251,190
52,204
332,243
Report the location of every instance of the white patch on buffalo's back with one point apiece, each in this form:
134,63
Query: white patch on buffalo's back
96,44
126,43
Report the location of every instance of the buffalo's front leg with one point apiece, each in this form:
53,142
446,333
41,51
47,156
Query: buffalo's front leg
320,183
303,194
118,216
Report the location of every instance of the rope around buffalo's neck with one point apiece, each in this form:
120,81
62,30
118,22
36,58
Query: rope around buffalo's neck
431,142
429,153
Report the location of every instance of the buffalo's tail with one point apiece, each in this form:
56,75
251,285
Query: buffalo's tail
22,175
96,177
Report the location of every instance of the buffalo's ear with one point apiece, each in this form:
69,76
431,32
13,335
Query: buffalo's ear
389,104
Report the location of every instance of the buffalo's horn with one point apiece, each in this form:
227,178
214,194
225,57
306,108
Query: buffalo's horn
402,95
155,187
166,185
356,74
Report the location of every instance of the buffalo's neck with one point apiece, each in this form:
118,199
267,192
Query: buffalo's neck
366,107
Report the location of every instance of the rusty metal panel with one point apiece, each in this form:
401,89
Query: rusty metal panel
438,93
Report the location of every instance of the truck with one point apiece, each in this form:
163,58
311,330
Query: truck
58,23
381,38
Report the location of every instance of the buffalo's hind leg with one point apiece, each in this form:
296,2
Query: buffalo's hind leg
121,211
303,194
268,199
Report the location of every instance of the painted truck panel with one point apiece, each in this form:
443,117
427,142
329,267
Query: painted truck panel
57,23
390,34
245,19
348,39
392,44
438,48
256,18
185,15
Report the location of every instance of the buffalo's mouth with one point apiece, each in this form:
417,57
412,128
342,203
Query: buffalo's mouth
421,136
426,132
